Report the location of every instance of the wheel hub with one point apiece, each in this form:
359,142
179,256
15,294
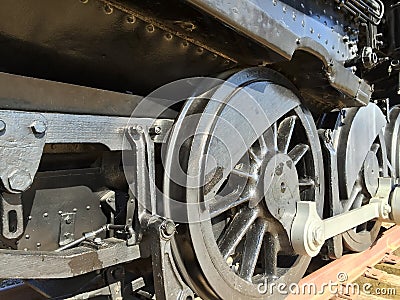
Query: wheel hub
278,186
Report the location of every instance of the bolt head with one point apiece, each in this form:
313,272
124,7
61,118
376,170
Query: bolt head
20,181
2,126
168,228
157,130
39,127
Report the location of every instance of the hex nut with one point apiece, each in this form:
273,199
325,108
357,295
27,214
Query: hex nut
20,181
39,127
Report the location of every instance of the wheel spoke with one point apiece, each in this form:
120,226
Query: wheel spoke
254,156
236,230
375,147
252,247
243,174
269,140
347,204
220,204
298,152
270,255
285,132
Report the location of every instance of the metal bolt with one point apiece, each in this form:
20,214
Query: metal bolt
2,126
139,129
157,130
39,127
20,180
131,19
168,228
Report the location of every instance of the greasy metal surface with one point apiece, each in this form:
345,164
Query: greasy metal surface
277,25
33,94
25,93
65,264
278,34
99,44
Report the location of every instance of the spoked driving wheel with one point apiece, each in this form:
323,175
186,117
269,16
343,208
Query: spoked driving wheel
362,160
253,154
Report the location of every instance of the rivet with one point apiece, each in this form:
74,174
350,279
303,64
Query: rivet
45,215
38,244
88,207
75,210
27,236
131,19
157,130
150,28
108,9
60,212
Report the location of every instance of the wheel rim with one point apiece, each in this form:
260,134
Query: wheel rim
243,240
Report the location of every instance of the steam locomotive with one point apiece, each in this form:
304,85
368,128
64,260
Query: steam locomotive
193,148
